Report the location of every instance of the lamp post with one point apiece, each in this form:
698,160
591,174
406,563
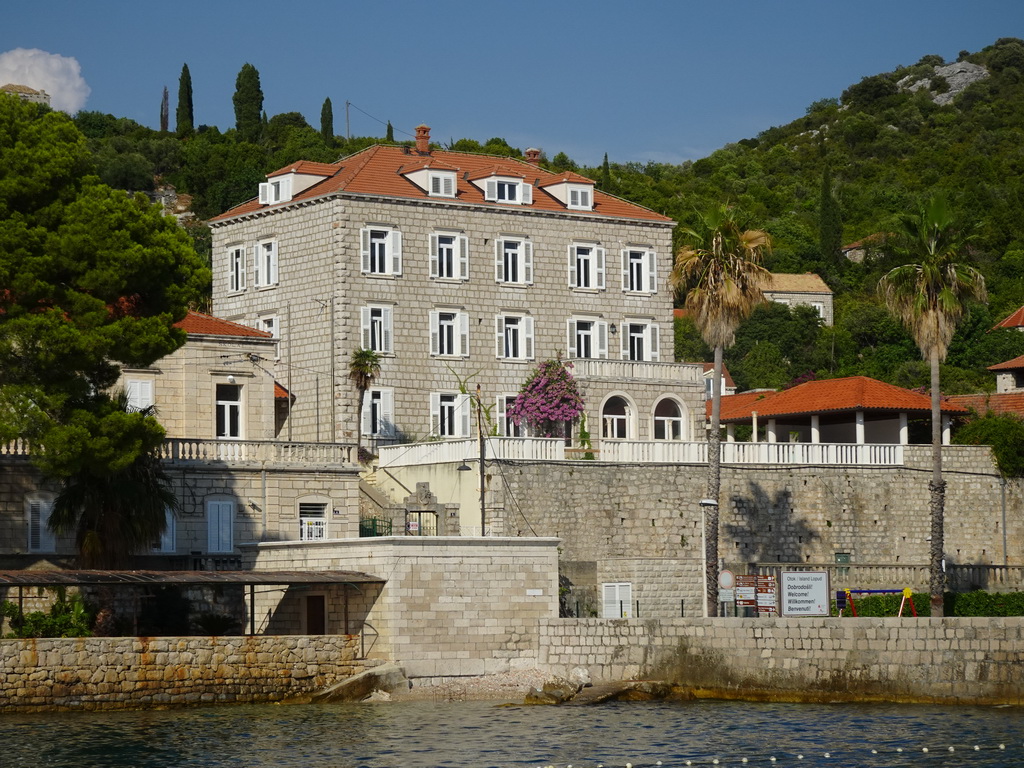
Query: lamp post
483,477
709,587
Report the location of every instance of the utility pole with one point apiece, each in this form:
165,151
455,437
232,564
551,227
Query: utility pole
483,476
348,130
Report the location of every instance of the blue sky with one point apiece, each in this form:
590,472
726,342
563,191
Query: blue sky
659,80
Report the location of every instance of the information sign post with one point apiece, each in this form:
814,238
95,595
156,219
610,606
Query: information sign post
805,593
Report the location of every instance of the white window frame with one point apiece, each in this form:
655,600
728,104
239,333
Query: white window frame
506,427
617,600
378,416
277,190
508,190
639,270
265,265
459,324
374,237
167,544
586,267
382,316
581,198
650,347
224,409
599,338
521,269
450,414
441,184
459,261
616,426
38,507
140,393
513,336
236,268
220,525
671,424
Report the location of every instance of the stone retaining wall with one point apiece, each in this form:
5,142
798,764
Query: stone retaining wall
141,672
952,660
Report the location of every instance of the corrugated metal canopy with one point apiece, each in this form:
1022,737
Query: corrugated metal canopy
142,578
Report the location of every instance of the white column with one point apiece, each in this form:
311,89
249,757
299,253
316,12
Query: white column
753,436
772,437
860,427
904,429
730,433
815,428
946,421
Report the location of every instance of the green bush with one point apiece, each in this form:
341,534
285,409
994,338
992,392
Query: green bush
68,617
956,604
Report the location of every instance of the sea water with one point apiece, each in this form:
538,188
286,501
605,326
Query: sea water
482,735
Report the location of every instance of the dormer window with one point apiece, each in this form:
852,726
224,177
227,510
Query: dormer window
581,198
279,190
441,184
513,191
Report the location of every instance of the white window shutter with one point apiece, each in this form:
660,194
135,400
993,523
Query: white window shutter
570,338
387,412
527,262
167,543
264,194
572,266
527,190
463,244
499,271
396,252
574,198
435,413
501,413
652,331
364,313
241,270
272,265
463,330
365,252
599,270
286,188
624,340
499,336
40,537
366,422
434,256
435,331
435,185
651,260
448,186
257,266
528,337
625,269
146,398
617,601
462,411
491,192
386,323
585,199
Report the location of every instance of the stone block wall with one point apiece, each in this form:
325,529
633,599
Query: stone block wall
953,660
141,672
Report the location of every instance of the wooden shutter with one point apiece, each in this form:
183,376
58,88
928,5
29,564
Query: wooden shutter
625,269
624,340
40,537
462,329
364,313
599,268
499,253
257,267
650,260
435,414
527,262
499,336
462,414
653,336
570,338
395,238
527,193
573,278
435,333
387,412
528,337
385,321
264,194
463,245
435,259
602,339
491,190
220,526
617,600
364,236
365,423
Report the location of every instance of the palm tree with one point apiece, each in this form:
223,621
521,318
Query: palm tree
117,514
929,297
719,271
363,369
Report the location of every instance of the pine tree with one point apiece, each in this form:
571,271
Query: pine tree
830,220
606,175
184,123
390,136
164,111
248,101
327,121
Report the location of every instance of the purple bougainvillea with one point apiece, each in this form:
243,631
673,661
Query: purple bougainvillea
549,400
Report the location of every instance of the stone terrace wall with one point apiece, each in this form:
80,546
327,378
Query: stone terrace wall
142,672
953,660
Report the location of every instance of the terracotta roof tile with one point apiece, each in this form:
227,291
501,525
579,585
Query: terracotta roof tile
208,325
854,393
739,405
1009,365
1016,320
1009,402
378,171
280,393
306,167
566,177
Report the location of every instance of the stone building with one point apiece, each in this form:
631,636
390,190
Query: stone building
801,290
25,93
459,270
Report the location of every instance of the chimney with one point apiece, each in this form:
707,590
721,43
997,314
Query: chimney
533,156
423,139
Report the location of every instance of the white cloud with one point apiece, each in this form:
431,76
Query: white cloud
59,76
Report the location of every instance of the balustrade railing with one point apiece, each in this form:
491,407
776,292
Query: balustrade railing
182,449
959,578
630,369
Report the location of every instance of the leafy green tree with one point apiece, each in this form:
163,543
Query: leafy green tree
689,346
1004,432
929,297
248,101
830,220
363,370
92,279
327,121
719,274
763,367
184,124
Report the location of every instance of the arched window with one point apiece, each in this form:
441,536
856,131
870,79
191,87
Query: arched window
615,417
668,420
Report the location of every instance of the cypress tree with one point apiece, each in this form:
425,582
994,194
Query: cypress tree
164,112
184,123
606,175
390,136
248,101
327,121
830,220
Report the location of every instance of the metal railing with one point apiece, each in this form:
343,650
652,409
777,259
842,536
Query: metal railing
312,529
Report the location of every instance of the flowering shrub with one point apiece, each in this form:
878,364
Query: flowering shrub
548,400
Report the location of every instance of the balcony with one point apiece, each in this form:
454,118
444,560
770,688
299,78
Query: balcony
618,370
257,451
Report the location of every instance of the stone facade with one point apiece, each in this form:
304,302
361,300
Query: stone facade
148,672
953,660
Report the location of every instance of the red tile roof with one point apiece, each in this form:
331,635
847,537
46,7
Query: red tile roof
379,171
307,168
1009,365
1009,402
739,406
854,393
566,177
280,393
208,325
1016,320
